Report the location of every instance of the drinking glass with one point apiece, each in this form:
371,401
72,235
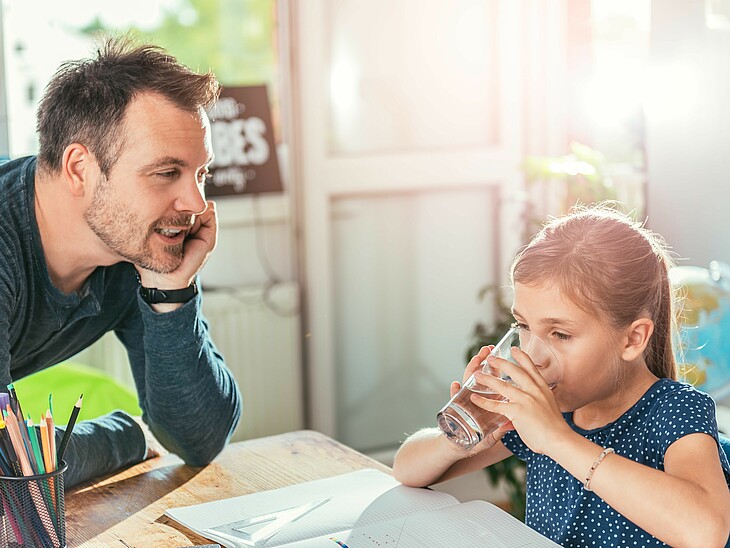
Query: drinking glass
465,423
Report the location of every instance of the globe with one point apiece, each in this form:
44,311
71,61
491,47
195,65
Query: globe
703,354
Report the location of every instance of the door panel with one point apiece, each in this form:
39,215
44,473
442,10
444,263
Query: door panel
407,143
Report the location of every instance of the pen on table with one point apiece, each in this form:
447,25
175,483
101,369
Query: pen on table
69,429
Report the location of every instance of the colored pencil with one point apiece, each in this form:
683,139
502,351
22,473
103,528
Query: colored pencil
51,439
45,447
46,523
18,444
41,469
14,403
69,428
8,445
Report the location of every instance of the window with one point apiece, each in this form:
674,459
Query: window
236,39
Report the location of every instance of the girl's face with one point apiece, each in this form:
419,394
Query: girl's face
587,350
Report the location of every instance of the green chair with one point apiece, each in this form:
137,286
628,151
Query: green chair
66,382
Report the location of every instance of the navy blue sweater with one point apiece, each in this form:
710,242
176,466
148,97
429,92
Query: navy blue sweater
188,397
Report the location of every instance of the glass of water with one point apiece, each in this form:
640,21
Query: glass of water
465,423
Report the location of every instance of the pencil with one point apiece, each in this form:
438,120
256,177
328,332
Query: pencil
45,487
46,523
44,445
8,445
69,429
18,444
18,410
14,402
51,439
40,468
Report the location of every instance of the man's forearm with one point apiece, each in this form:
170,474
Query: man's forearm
191,400
100,446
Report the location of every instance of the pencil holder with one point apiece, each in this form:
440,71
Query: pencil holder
32,510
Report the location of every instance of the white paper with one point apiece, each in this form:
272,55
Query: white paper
475,523
364,509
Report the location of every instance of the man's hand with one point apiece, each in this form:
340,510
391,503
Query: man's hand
198,246
154,447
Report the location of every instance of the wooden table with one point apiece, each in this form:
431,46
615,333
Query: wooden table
127,509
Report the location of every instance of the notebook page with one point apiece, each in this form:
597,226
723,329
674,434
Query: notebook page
475,523
356,499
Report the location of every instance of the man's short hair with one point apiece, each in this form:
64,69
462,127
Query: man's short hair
86,100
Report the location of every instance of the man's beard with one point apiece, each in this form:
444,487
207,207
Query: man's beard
124,232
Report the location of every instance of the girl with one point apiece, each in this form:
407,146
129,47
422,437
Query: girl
634,458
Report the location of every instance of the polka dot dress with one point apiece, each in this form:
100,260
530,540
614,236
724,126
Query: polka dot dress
559,507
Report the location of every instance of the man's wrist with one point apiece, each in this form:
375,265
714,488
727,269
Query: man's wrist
154,295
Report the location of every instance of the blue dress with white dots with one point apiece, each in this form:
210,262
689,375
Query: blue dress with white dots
559,507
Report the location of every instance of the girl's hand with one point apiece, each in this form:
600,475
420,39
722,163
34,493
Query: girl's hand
474,367
530,407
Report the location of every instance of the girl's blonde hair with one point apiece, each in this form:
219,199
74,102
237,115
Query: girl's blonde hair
607,263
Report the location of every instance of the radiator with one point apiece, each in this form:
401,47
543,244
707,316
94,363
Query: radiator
258,335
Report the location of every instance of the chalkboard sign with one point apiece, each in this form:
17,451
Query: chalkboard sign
243,143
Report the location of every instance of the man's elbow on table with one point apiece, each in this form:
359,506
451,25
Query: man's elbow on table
201,449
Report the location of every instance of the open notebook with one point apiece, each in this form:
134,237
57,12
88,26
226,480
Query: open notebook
362,509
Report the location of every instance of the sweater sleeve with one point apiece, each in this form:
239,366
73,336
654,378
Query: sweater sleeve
101,446
188,396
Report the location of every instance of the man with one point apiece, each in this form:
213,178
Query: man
111,210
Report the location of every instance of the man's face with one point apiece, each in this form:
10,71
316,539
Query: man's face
146,207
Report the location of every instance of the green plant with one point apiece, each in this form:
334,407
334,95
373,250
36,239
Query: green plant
554,184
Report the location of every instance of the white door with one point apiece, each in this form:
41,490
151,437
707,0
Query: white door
407,144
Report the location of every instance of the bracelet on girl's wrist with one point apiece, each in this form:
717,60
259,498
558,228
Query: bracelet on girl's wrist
599,460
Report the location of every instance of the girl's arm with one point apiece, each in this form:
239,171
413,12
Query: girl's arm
427,457
687,504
